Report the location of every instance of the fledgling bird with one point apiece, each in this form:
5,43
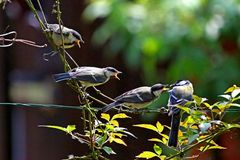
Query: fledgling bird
180,94
137,98
71,37
88,76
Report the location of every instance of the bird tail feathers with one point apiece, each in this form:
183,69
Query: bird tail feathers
173,136
61,77
109,106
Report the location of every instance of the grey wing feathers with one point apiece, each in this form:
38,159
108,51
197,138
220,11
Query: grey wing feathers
87,75
110,106
138,95
174,100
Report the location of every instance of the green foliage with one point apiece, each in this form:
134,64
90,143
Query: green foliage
202,123
172,39
104,133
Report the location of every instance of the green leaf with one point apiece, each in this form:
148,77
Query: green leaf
231,89
192,138
186,109
120,115
105,116
157,149
160,127
147,126
162,157
233,126
69,128
146,155
108,150
199,100
101,139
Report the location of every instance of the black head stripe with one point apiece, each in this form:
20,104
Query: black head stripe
111,69
157,87
77,35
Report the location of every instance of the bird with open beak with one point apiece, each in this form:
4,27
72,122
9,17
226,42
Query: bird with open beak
71,37
89,76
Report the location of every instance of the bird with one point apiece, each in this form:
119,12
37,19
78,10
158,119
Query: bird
137,98
71,37
88,76
180,93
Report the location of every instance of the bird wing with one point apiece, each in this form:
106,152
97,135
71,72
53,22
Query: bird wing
90,76
138,95
174,100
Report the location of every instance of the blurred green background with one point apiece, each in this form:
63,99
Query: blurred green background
169,40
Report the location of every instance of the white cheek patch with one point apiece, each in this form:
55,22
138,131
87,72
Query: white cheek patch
157,93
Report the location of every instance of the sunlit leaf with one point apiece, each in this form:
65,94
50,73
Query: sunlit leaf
234,125
108,150
120,115
146,155
105,116
235,99
164,135
110,127
186,109
235,92
199,100
207,105
117,135
157,149
114,123
69,128
155,140
162,157
208,147
231,89
129,133
164,140
147,126
217,147
160,127
226,96
118,140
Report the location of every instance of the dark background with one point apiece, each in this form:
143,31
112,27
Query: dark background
26,77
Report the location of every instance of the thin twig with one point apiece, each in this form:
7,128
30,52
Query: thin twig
44,18
105,96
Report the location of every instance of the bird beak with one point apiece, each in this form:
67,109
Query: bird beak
116,75
166,88
78,43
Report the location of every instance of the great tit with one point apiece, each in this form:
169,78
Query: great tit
137,98
180,93
88,76
71,37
